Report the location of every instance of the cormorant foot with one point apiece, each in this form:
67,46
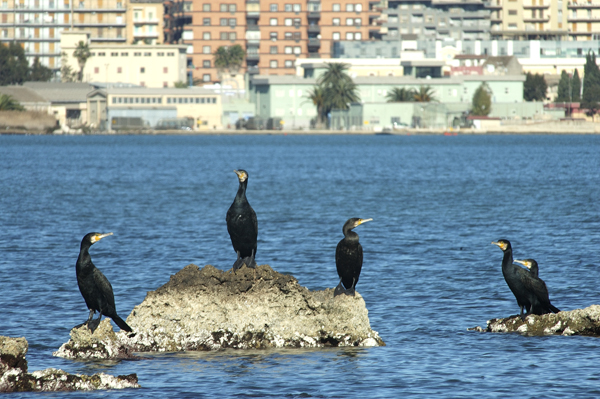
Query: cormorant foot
93,325
238,264
339,290
250,262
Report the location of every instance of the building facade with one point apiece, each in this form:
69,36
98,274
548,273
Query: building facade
273,33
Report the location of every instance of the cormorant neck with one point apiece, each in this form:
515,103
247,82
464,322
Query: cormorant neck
350,235
508,258
241,193
84,258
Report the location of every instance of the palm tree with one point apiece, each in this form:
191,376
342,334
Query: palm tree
425,94
8,103
342,94
229,59
82,54
336,72
400,94
318,97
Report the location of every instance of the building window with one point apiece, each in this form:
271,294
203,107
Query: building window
127,54
142,70
166,70
297,50
119,70
273,22
206,7
165,84
349,35
514,12
297,22
336,8
273,50
273,7
96,70
232,36
273,64
205,49
287,22
289,64
206,21
336,22
224,35
147,54
206,36
357,21
349,7
336,36
288,50
358,36
273,36
206,64
223,22
288,8
297,35
288,35
223,7
206,77
171,54
358,7
232,8
349,21
231,21
297,8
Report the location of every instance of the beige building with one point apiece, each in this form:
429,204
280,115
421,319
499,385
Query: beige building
202,107
143,65
37,24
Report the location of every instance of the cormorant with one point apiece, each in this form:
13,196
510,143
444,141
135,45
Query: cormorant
242,225
522,284
95,287
349,258
540,303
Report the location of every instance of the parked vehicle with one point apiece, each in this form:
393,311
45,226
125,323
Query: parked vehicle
175,124
127,123
255,123
274,124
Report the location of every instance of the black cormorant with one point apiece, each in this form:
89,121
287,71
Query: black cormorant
242,225
95,287
521,282
540,303
349,258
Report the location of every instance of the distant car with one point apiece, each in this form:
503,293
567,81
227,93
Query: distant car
400,126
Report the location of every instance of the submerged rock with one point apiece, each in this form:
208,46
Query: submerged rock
575,322
258,308
15,378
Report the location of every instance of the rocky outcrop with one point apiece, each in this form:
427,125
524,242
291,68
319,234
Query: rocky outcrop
211,309
575,322
14,376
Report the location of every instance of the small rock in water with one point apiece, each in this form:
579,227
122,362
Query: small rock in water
15,378
211,309
575,322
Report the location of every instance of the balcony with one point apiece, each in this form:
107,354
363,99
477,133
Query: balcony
314,43
253,14
537,19
315,29
314,15
253,70
582,5
253,43
587,18
252,57
533,7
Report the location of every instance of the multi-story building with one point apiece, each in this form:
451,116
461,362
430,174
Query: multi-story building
529,19
435,19
37,24
273,33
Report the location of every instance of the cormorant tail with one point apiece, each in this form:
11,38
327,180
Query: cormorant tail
554,308
121,323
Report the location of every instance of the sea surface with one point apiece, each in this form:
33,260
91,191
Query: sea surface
430,271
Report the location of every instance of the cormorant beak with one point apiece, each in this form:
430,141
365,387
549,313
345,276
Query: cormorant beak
98,237
361,221
500,244
241,176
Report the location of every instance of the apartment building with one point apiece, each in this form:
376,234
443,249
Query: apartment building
37,24
529,19
273,32
436,20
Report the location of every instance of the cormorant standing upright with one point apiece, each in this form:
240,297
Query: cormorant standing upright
349,258
95,287
523,285
540,302
242,225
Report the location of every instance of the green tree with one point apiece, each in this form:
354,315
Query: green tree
39,72
317,96
400,94
82,54
425,94
229,59
590,97
335,73
67,74
180,85
563,93
535,87
14,67
8,103
576,87
482,101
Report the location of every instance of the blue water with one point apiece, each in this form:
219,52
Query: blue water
429,270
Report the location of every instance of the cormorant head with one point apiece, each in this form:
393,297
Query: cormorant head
503,244
92,238
242,175
354,222
531,264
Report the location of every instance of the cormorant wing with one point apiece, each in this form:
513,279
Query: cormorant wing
106,291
